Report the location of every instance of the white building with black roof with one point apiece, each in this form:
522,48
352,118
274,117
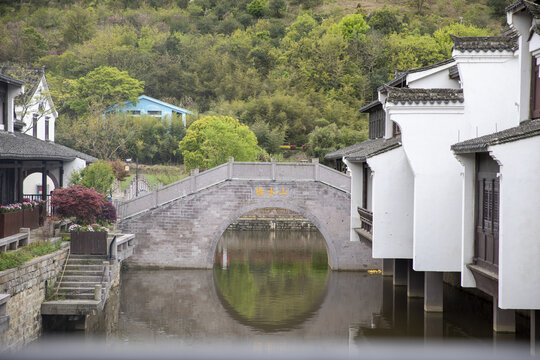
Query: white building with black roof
458,190
22,155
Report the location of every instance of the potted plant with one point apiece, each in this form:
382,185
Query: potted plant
92,214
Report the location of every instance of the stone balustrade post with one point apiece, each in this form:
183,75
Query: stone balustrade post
230,168
97,292
315,163
155,194
193,175
273,162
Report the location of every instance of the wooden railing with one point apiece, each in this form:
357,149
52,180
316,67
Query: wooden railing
366,217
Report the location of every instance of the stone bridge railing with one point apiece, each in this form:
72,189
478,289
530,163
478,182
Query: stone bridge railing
253,171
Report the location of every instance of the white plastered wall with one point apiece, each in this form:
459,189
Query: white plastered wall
70,167
519,224
492,90
433,79
32,181
40,96
393,189
428,131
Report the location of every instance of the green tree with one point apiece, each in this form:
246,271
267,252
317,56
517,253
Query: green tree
326,139
98,175
353,25
442,36
79,25
34,45
385,21
105,87
211,140
257,8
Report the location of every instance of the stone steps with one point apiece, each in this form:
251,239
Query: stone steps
81,274
80,278
84,267
79,284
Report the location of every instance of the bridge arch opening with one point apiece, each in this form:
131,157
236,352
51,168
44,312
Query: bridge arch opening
332,257
267,274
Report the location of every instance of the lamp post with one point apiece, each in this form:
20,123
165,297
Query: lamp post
136,174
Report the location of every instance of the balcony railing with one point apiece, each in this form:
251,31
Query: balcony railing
366,217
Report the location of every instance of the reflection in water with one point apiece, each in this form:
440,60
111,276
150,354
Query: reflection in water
271,285
274,288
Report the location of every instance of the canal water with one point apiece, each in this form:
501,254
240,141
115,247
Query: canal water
275,287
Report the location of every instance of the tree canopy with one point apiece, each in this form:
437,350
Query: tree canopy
211,140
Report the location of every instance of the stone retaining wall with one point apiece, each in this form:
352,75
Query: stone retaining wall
269,224
27,286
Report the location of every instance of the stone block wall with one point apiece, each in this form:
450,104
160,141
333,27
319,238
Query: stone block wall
27,288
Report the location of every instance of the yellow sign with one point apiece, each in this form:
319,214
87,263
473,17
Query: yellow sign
261,192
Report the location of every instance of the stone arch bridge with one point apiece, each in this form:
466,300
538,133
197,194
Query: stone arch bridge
179,225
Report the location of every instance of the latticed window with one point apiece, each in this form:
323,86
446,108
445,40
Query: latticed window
377,124
487,213
535,90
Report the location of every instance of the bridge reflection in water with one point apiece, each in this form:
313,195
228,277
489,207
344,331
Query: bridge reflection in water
273,288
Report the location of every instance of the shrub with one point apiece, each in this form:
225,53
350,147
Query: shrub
119,170
86,205
108,213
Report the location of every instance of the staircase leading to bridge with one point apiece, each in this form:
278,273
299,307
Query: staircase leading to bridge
249,171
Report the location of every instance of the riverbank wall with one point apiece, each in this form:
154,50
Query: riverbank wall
272,219
27,287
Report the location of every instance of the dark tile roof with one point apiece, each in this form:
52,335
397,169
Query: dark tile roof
532,7
338,154
401,74
525,130
19,146
406,95
484,43
30,75
10,80
370,106
373,147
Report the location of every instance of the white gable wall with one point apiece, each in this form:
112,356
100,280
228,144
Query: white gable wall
428,131
393,190
433,79
40,96
492,91
519,225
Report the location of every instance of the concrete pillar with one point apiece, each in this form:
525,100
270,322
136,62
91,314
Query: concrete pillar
273,162
399,309
535,332
400,272
415,317
504,320
388,267
388,298
433,325
415,282
433,291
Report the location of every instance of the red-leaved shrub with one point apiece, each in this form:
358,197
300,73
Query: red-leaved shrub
108,212
86,205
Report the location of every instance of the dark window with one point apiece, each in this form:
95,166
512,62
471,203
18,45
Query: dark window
376,124
46,128
3,105
135,112
34,125
487,212
396,130
154,113
535,91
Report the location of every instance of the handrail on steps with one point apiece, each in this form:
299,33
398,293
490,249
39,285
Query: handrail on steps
63,271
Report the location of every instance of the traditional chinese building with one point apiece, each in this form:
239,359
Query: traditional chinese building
446,182
22,155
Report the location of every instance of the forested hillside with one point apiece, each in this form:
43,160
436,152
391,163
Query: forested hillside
286,68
